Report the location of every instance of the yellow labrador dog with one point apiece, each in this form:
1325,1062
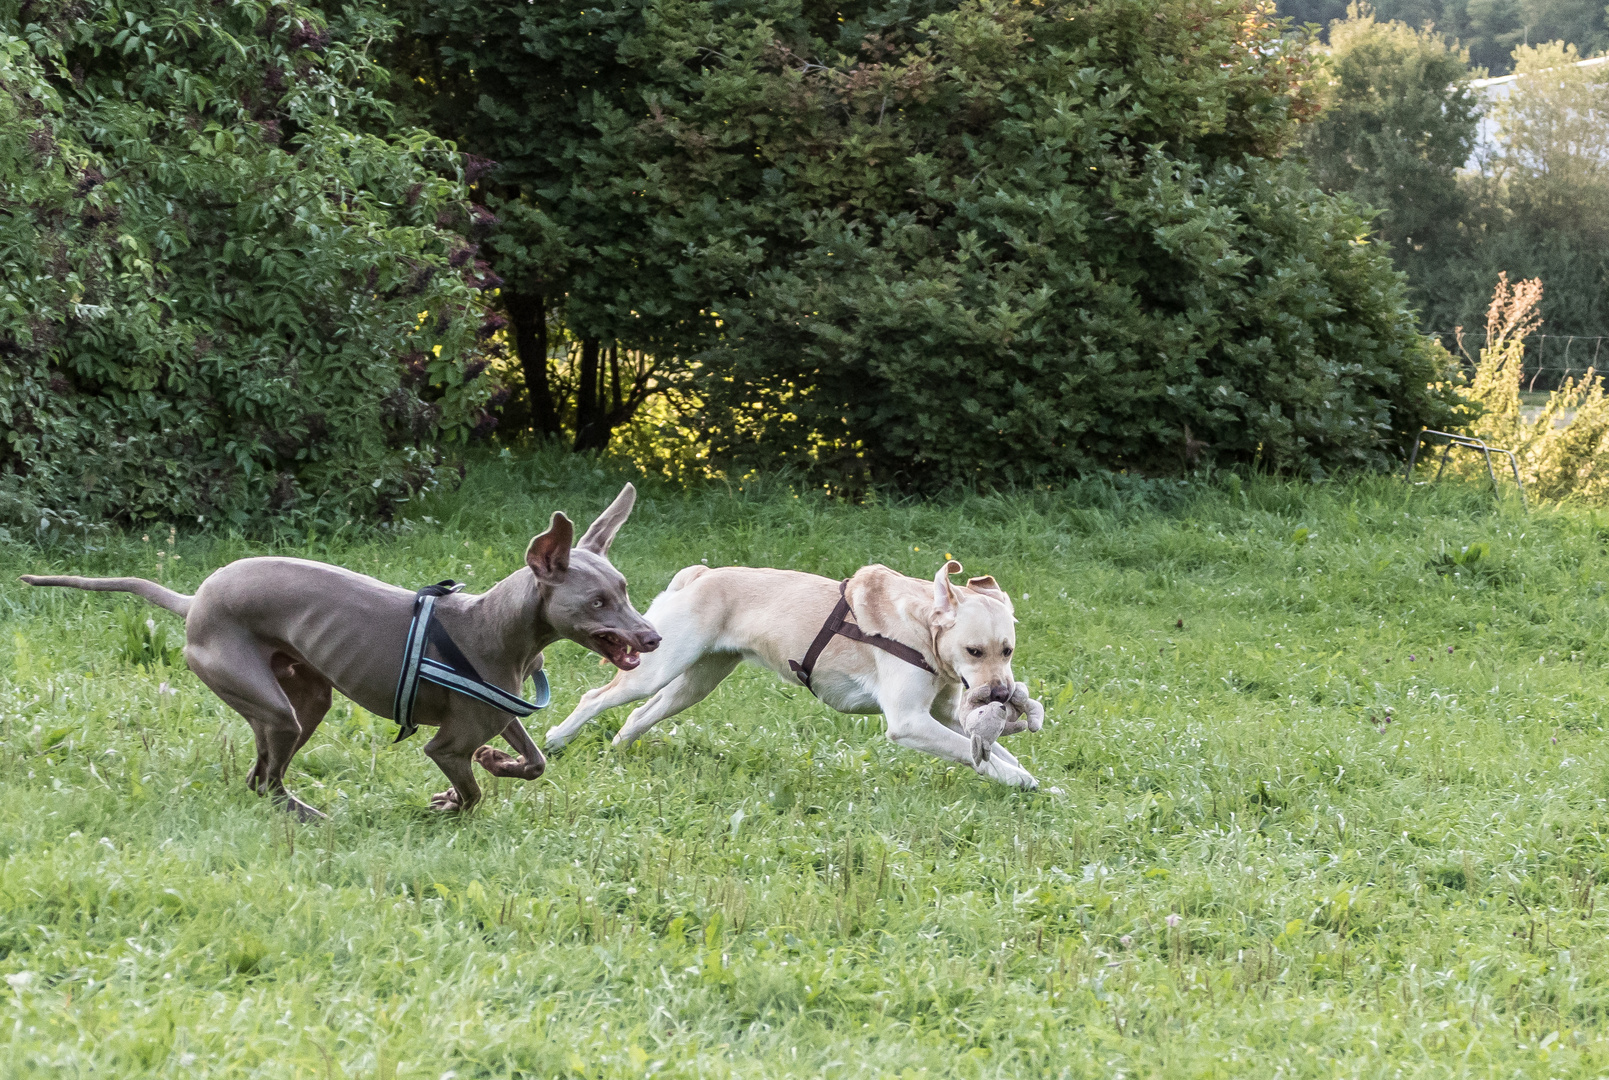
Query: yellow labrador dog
879,642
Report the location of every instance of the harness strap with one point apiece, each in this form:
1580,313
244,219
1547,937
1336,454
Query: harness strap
453,671
836,625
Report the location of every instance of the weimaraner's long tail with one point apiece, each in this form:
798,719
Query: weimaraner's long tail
159,595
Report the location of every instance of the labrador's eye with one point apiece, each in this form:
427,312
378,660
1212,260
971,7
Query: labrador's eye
974,652
1008,650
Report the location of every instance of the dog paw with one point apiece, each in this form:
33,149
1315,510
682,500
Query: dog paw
501,763
996,769
446,801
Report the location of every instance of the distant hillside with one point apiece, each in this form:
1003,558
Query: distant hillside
1489,28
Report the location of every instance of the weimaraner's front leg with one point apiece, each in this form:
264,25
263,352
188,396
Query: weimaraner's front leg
530,763
453,750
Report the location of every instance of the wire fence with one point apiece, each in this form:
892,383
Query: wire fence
1550,359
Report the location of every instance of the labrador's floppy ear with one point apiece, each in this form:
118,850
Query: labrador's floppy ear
601,533
944,594
549,554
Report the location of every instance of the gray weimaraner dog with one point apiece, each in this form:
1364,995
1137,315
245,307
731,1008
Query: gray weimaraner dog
272,637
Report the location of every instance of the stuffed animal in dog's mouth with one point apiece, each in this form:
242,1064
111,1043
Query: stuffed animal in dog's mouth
988,721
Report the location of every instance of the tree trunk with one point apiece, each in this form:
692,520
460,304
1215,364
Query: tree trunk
614,375
528,313
591,425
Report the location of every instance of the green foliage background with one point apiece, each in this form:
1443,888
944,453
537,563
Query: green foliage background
958,243
215,253
1399,121
1079,250
1489,29
1398,132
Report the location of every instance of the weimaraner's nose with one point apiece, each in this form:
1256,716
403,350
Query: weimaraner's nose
649,640
999,692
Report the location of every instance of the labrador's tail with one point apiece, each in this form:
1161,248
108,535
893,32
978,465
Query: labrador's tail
686,576
159,595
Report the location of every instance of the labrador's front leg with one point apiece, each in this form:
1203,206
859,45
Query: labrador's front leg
1008,759
909,699
917,729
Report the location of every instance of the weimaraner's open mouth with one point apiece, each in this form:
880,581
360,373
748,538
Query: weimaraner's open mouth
616,650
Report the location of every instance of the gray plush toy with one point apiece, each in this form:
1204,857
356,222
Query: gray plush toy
988,721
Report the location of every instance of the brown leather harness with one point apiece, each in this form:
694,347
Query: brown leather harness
836,625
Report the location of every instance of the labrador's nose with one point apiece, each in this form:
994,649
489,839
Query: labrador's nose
649,640
1000,691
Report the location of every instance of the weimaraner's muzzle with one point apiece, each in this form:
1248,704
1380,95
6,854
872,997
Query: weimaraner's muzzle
272,638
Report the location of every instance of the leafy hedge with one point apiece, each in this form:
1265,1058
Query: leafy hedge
221,297
1077,248
929,242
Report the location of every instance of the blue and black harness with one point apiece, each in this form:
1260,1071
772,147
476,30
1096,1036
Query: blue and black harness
453,670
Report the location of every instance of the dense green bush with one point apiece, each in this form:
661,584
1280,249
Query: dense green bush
610,266
938,243
224,297
1077,248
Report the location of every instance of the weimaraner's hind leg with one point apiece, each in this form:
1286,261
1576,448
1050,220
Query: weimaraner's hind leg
309,693
238,669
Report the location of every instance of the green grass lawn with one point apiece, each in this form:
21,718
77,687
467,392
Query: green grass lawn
1368,779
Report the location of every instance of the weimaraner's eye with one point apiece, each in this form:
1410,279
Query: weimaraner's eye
974,652
598,602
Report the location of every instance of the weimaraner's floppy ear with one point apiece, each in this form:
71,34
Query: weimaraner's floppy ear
549,554
944,594
602,532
